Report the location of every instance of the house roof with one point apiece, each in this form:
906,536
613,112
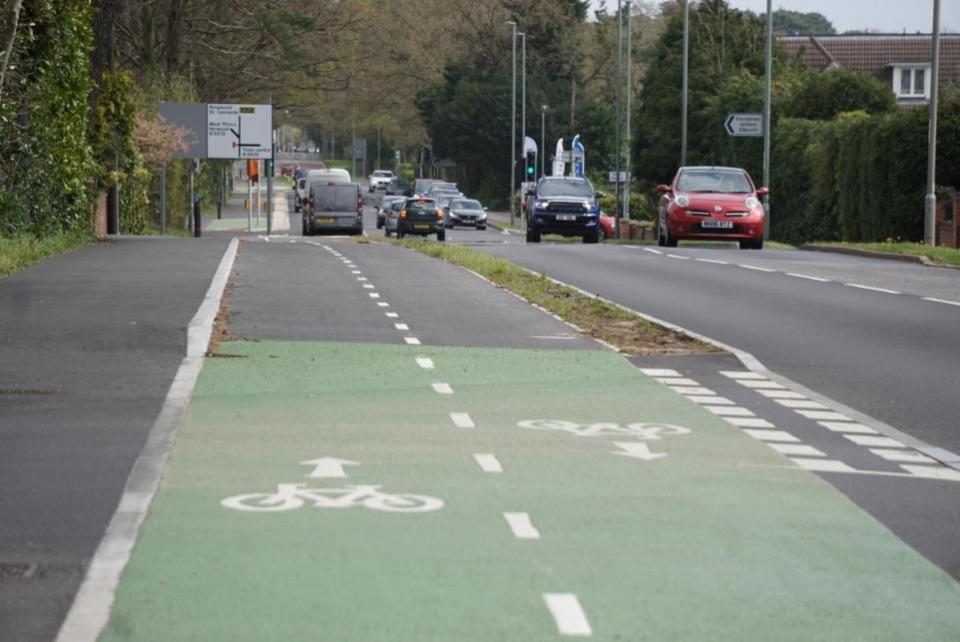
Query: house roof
875,53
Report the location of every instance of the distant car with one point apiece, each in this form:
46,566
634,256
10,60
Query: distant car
466,211
392,217
380,179
333,207
384,206
608,226
563,205
422,185
398,187
711,203
325,175
421,216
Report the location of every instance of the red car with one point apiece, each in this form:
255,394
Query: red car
608,226
711,203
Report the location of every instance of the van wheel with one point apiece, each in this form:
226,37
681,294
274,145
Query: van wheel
592,237
442,235
533,236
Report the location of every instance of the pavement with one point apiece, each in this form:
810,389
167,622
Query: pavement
394,449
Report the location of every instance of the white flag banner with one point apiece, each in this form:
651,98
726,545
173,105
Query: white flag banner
558,165
529,145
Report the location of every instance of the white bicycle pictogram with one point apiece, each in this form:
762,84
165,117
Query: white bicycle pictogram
643,431
293,496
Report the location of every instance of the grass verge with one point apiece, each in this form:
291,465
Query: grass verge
942,255
21,251
630,333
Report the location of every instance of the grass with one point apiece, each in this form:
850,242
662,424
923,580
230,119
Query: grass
941,255
627,331
20,252
339,164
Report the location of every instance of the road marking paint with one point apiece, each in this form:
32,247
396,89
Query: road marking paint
874,440
932,472
748,422
772,435
799,450
692,390
741,374
825,415
361,278
442,388
808,277
356,272
383,304
636,450
568,614
801,403
846,426
674,381
908,456
368,286
425,363
781,394
714,261
488,463
660,372
679,256
824,465
374,295
758,384
725,411
521,526
651,250
328,467
710,400
412,341
391,315
936,300
460,419
401,326
872,289
755,267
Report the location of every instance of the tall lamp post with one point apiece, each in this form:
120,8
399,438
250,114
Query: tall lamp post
513,127
930,203
686,82
619,156
626,183
766,116
543,139
523,103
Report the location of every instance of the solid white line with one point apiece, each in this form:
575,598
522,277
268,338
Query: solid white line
401,326
754,267
808,277
425,363
391,315
374,295
872,289
412,341
521,526
935,300
845,426
460,419
651,250
799,450
659,372
772,435
568,614
875,441
201,325
679,256
90,611
714,261
442,388
488,463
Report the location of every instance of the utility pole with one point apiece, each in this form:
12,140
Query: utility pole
543,139
513,127
930,204
523,105
766,116
686,82
626,183
619,76
271,169
115,197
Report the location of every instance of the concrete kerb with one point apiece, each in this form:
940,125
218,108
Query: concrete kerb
873,254
90,611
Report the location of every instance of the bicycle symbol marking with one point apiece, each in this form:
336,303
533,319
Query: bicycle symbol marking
643,431
293,496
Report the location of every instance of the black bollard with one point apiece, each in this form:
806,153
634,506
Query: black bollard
219,205
196,217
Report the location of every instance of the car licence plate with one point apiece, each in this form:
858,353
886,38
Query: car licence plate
566,217
717,225
421,227
325,219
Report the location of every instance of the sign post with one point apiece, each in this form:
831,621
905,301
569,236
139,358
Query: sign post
744,125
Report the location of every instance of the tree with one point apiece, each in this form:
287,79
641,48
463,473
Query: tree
796,23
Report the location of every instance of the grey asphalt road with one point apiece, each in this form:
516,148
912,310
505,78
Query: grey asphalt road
89,344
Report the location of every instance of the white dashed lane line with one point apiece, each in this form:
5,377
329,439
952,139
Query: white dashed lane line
756,268
771,435
412,341
391,315
714,261
944,301
488,463
568,614
460,419
383,304
401,326
374,295
818,279
425,363
442,388
870,288
679,256
521,526
799,450
651,250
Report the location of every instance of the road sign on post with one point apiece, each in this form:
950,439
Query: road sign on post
239,131
748,124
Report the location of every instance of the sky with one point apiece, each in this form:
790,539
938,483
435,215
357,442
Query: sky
890,16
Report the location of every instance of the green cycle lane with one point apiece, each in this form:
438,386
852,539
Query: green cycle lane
702,534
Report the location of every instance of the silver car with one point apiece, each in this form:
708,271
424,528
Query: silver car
384,206
392,216
466,211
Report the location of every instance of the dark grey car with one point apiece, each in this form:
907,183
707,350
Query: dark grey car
466,211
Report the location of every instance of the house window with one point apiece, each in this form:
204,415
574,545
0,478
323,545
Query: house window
910,82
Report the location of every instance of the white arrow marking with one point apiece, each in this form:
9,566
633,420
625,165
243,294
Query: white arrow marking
329,467
637,450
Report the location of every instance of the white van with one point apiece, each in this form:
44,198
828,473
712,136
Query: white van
314,175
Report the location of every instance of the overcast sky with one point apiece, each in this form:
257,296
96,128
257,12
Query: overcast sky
892,16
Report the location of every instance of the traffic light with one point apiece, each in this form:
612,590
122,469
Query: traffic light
531,165
271,168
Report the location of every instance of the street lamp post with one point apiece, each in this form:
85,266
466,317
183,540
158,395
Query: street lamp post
686,82
523,104
626,183
766,116
930,203
543,139
513,127
619,63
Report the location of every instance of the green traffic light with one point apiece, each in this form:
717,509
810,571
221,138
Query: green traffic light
530,171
